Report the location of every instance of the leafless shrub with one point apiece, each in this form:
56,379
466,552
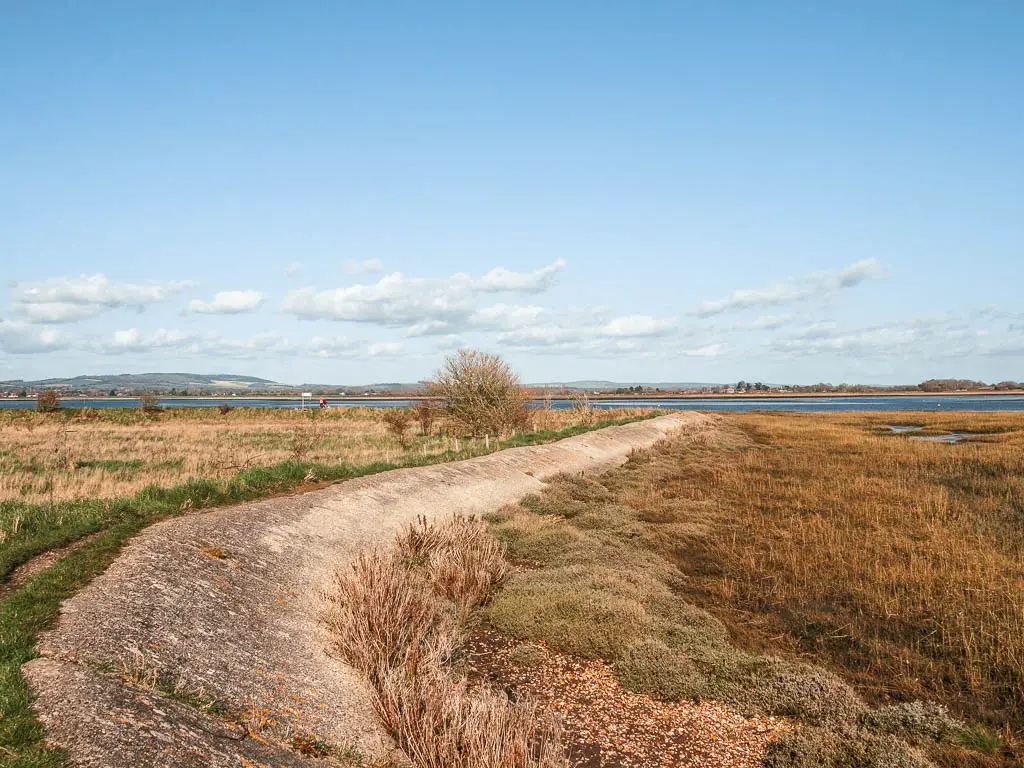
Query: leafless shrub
393,619
48,401
397,422
303,441
480,393
225,409
149,403
426,414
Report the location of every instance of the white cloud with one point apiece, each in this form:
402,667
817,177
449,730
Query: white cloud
907,338
364,266
430,328
766,322
292,269
332,346
1012,346
20,338
134,341
396,300
500,280
228,303
789,291
64,299
539,336
57,312
385,349
859,272
507,316
449,342
708,350
640,325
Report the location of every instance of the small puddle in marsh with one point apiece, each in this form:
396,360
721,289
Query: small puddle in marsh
951,437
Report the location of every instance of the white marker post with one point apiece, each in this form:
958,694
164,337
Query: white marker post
304,396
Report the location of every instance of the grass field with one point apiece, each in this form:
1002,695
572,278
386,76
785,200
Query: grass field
814,566
85,454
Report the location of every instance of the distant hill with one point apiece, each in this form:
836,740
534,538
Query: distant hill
155,381
231,382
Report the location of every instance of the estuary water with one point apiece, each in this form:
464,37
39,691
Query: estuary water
809,404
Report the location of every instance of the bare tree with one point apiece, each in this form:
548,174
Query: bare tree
425,412
480,393
48,401
149,403
397,422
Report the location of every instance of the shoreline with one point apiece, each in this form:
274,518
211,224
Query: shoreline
633,396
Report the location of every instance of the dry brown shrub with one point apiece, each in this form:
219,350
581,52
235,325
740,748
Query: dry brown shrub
149,403
384,619
397,422
426,414
48,401
394,618
462,561
480,393
448,726
303,441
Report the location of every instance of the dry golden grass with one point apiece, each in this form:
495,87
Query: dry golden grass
399,616
898,562
105,454
721,562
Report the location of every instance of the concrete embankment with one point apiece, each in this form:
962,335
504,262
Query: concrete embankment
225,604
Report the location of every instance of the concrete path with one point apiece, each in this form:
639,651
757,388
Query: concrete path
228,601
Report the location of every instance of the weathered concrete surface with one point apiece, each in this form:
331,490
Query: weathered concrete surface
229,600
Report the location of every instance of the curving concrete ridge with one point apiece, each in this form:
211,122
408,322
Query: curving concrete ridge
229,600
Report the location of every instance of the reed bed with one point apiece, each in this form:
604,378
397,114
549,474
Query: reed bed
897,562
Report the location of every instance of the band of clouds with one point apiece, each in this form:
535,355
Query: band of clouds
817,285
67,299
396,300
194,343
442,311
439,307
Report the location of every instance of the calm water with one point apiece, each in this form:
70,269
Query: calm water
837,403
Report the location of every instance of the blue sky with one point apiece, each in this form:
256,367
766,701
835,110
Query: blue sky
341,192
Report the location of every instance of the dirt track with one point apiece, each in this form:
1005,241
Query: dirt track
228,601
